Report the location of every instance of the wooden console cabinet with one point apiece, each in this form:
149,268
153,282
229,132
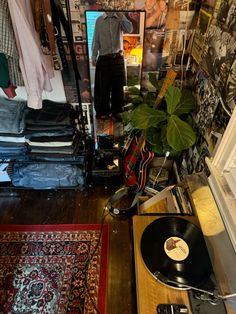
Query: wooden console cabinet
151,292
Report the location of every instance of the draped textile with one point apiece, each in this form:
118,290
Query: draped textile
36,67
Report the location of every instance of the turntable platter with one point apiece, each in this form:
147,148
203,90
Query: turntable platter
175,248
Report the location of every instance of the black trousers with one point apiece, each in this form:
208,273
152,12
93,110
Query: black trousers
109,82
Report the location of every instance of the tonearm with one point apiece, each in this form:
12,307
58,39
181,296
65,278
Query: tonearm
214,295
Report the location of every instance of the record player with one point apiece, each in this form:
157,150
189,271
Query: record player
173,266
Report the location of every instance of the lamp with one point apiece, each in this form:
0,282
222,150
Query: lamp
137,52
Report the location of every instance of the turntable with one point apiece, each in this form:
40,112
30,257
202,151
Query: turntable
175,253
172,265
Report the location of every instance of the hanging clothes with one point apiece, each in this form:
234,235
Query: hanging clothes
36,67
8,89
8,45
46,29
4,72
37,10
50,28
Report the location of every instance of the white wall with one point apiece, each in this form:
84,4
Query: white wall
57,94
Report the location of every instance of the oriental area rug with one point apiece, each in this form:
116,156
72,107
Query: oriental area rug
53,269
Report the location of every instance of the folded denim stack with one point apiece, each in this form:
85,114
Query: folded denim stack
51,131
47,175
53,142
12,126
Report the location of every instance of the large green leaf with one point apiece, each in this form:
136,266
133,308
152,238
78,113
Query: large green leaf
158,141
172,97
180,134
166,147
153,135
144,117
186,103
126,116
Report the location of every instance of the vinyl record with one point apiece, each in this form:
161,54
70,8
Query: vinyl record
175,252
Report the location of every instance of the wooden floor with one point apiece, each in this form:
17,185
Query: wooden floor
78,207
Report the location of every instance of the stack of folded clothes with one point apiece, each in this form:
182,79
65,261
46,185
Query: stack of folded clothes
12,126
47,175
51,131
53,142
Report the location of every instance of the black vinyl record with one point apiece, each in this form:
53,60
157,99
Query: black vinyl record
175,252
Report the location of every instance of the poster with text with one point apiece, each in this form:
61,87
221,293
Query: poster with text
69,76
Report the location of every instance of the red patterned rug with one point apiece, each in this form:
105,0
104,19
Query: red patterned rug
53,269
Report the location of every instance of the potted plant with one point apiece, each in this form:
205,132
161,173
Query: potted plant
166,128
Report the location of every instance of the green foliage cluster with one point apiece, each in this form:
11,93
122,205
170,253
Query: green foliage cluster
166,128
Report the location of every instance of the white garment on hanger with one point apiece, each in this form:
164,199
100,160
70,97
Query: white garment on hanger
36,67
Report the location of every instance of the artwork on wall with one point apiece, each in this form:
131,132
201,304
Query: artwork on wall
180,14
183,5
156,12
211,120
229,90
208,5
213,50
207,103
226,15
114,5
204,21
152,51
200,35
129,43
214,47
199,154
68,74
134,18
218,59
77,8
193,160
220,120
175,43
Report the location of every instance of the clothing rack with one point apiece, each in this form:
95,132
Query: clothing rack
77,162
